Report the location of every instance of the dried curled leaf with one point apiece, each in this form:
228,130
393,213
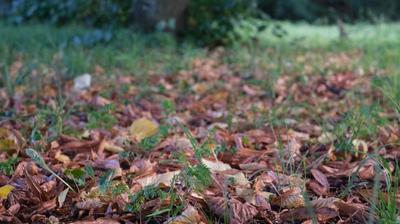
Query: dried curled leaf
324,202
215,166
165,179
238,212
299,214
5,190
62,196
90,204
62,158
320,177
98,221
241,212
189,216
111,147
218,205
291,198
143,128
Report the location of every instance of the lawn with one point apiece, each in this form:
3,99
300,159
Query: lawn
120,127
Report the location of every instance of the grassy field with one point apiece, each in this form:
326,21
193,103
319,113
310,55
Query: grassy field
309,106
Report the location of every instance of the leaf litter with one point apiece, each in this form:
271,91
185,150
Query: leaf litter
219,150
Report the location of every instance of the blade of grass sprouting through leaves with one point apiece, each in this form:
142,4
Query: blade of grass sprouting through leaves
38,159
105,180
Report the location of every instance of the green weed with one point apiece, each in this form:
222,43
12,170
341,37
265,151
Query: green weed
102,117
7,166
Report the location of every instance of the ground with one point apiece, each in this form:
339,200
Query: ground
118,127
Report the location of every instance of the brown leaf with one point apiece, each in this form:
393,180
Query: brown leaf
215,166
317,188
158,179
358,211
367,172
98,221
189,216
300,214
218,205
14,209
238,212
291,198
324,202
241,212
320,177
90,204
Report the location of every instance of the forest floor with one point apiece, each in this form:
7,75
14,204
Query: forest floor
101,127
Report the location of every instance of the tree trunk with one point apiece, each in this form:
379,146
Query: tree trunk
165,15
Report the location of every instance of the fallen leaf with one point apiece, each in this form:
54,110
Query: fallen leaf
320,177
238,212
324,202
300,214
317,188
98,221
90,204
61,197
355,210
165,179
14,209
5,190
239,179
62,158
8,141
215,166
108,146
143,128
189,216
291,198
360,148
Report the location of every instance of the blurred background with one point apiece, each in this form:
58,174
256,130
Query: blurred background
211,22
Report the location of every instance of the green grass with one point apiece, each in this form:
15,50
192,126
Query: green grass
126,51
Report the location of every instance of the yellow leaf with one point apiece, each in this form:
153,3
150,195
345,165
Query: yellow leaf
5,191
143,128
7,140
7,145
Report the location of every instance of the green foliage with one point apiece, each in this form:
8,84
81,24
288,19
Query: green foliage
168,107
105,181
311,10
149,143
147,193
119,189
38,159
10,83
102,118
360,123
386,207
89,12
196,177
53,120
7,167
213,22
77,175
89,171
